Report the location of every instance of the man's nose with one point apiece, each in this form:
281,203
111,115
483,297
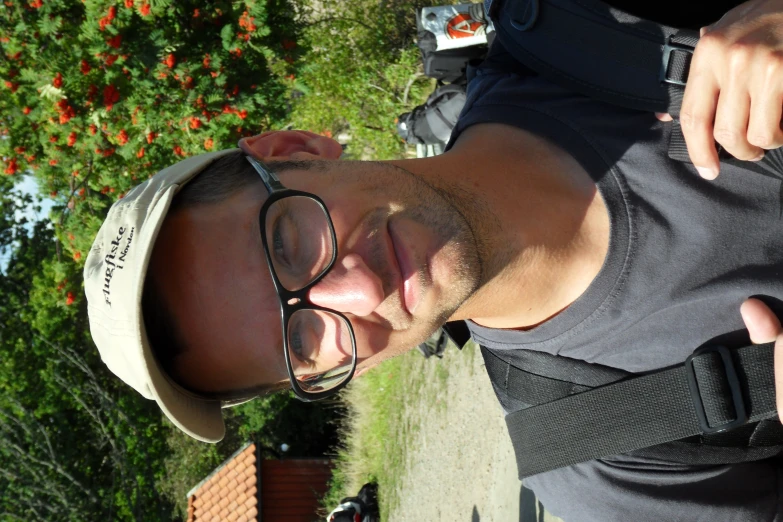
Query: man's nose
349,287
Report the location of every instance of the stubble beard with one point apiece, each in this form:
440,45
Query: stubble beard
462,225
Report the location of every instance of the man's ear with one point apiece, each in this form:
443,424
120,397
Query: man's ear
291,145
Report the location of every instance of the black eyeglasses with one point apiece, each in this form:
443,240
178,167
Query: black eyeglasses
301,247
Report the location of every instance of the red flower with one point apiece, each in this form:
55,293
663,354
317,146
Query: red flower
122,137
26,111
53,162
72,139
188,83
208,144
110,96
140,154
93,129
170,61
105,190
242,114
151,137
19,150
195,123
85,68
12,167
110,59
145,9
178,150
36,4
53,194
235,91
246,22
53,138
65,110
236,53
115,41
129,4
69,299
195,13
106,20
288,44
58,80
207,60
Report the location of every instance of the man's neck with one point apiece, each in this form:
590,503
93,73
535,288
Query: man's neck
544,233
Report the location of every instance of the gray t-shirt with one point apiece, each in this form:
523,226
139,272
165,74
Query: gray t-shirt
684,253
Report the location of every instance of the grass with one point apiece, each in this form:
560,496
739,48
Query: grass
376,430
361,70
381,424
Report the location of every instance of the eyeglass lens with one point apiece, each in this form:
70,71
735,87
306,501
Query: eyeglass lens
298,234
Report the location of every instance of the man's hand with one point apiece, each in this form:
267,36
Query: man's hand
734,93
764,327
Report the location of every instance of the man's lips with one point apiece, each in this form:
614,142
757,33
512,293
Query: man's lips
411,291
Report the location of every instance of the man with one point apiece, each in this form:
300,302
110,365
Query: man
553,223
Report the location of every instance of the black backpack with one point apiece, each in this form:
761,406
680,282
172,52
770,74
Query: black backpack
432,123
716,408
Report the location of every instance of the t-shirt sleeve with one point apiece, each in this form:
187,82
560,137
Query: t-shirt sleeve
623,489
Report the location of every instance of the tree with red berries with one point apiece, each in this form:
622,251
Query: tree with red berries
95,97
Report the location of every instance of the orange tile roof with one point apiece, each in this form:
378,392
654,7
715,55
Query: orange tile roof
229,493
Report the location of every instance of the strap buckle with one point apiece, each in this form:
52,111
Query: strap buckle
730,374
668,49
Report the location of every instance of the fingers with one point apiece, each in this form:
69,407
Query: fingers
697,115
731,123
663,116
763,326
767,106
779,376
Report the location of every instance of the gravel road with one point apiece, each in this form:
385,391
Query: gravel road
461,466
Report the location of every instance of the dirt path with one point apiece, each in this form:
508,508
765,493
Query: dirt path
461,465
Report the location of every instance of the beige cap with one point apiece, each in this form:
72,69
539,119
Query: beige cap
113,281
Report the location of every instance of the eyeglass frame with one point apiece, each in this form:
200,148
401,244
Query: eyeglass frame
278,191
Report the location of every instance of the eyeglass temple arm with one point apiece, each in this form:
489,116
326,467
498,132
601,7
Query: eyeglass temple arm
267,176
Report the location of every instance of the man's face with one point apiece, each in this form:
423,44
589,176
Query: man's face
406,260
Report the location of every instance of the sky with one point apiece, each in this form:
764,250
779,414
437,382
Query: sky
28,185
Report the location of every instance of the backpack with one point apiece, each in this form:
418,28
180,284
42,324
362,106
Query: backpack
361,508
432,123
450,39
716,408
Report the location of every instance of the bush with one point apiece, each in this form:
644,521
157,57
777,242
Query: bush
101,94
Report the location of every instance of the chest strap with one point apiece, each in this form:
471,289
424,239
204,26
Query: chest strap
715,392
602,52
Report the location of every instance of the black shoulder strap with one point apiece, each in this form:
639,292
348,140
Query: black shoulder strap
715,391
602,52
